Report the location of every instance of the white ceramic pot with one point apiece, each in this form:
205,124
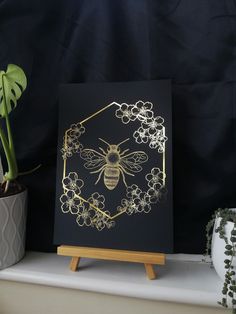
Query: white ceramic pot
13,210
218,247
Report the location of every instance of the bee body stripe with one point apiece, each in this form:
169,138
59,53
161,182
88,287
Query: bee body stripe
111,177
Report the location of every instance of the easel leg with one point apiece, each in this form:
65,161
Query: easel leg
150,271
74,263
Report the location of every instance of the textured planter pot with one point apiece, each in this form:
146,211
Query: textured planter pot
218,247
13,210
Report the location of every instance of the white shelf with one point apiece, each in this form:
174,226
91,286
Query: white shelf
184,278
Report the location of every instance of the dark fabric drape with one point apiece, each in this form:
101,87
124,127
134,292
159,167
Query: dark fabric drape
191,42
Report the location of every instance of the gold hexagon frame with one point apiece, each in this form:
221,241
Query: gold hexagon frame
82,123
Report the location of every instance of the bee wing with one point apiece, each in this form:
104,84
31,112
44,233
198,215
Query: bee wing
133,160
93,158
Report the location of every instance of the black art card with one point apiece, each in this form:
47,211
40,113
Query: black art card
114,167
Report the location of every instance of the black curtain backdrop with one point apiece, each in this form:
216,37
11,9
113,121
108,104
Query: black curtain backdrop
191,42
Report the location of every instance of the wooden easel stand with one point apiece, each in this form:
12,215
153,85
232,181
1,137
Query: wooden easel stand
147,258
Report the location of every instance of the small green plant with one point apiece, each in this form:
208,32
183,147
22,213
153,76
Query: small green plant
12,84
229,286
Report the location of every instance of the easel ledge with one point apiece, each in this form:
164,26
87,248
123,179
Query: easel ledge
147,258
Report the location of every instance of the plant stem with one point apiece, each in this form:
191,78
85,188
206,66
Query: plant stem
14,169
10,151
11,174
6,187
29,171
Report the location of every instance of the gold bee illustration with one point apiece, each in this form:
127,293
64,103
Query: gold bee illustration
113,162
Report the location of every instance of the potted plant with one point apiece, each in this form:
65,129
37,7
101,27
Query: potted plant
221,246
13,196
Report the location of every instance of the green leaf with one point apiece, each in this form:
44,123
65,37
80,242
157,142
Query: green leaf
12,84
224,291
231,294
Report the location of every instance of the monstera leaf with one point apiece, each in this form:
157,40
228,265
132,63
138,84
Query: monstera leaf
12,84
